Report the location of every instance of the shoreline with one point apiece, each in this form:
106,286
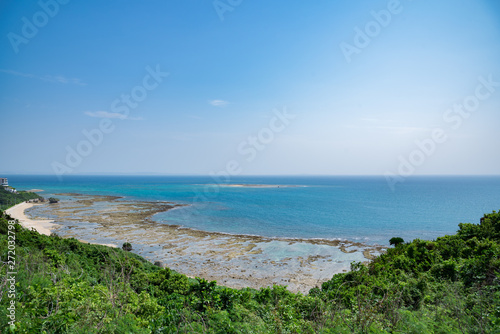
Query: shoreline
236,261
42,226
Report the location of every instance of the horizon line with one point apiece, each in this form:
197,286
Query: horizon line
239,175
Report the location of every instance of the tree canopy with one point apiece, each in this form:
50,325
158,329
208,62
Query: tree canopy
447,285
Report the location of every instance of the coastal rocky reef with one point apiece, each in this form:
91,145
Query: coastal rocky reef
233,260
447,285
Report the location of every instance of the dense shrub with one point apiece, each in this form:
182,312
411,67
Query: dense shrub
8,199
449,285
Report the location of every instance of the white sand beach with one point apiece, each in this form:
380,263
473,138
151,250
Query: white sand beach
43,226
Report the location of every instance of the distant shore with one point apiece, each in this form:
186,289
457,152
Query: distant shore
244,185
35,190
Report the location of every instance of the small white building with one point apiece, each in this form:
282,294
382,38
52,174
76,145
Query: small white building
3,181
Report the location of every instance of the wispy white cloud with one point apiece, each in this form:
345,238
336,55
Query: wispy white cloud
64,80
49,78
387,125
376,120
403,130
399,130
107,114
218,103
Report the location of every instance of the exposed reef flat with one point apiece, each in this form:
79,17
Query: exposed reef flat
233,260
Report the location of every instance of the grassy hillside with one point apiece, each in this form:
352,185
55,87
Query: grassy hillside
8,199
449,285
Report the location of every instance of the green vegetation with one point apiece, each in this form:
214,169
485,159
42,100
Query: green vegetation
396,241
8,199
127,246
53,200
449,285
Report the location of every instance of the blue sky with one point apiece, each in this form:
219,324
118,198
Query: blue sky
232,65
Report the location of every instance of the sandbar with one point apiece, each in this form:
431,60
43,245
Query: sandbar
243,185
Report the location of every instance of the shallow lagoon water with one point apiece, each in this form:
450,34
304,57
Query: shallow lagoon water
355,208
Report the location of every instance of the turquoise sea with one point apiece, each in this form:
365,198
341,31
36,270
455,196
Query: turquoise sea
361,208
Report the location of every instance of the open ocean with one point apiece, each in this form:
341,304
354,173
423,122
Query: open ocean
360,209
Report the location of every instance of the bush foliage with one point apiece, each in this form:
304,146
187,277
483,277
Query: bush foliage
448,285
8,199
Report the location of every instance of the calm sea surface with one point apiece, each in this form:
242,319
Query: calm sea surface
355,208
